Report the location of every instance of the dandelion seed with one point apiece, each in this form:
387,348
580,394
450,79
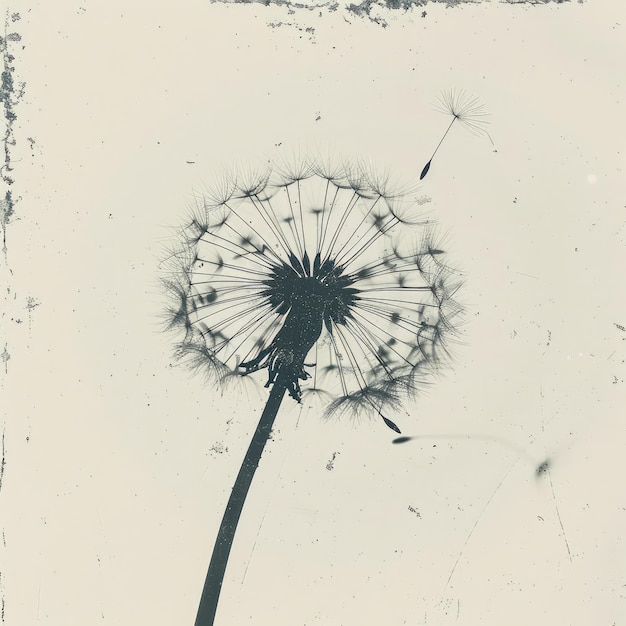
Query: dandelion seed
469,112
325,281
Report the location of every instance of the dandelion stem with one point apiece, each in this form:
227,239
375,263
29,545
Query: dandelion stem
444,136
226,532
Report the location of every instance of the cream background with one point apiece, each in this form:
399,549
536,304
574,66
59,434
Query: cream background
118,464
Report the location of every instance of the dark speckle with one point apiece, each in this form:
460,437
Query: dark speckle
401,439
331,464
414,510
543,468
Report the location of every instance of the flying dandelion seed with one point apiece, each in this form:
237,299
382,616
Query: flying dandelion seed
323,279
469,112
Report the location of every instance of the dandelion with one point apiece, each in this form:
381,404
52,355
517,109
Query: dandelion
469,112
323,281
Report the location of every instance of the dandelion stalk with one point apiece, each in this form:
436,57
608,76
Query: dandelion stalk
230,520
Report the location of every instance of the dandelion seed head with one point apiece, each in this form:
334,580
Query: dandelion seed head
319,275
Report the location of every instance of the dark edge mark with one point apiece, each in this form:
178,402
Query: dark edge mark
4,544
364,8
10,94
3,462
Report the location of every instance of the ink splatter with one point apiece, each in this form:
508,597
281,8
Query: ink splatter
218,448
331,464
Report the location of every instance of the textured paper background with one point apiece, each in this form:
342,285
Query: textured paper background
117,463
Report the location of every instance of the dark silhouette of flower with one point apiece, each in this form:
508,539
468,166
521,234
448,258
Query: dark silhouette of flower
322,275
325,279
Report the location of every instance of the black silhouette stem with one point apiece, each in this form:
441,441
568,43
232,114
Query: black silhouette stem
226,532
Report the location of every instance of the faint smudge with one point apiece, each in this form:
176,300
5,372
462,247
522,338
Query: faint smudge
5,356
